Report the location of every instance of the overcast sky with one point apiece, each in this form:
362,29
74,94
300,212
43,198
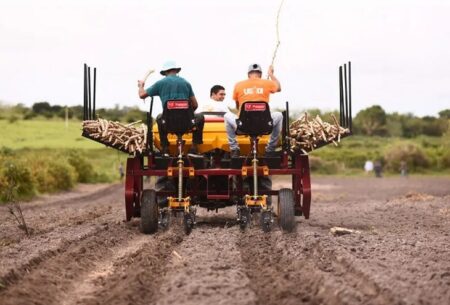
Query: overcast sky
400,49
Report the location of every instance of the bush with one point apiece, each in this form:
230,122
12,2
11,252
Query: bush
51,174
13,118
321,166
64,176
84,168
412,154
15,175
445,160
29,115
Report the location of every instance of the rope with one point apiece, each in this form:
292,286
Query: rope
278,33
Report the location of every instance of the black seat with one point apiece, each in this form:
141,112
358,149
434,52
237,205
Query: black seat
178,117
254,119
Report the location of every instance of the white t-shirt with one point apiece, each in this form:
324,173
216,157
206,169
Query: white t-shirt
212,106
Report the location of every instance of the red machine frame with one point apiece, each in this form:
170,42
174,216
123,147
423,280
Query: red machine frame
298,168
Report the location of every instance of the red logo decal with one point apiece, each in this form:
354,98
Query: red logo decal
255,106
177,105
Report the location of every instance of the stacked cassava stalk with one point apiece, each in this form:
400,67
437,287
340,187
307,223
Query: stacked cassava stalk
125,137
307,134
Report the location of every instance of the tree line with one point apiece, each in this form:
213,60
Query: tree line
371,121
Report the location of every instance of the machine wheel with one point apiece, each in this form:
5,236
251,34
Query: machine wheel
188,223
245,218
149,212
266,221
286,210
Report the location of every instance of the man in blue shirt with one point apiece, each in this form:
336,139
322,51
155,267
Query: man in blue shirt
173,87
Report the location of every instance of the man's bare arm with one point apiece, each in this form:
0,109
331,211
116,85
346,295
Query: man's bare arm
142,93
193,102
273,78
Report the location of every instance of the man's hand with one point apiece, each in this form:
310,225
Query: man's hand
270,71
273,78
142,93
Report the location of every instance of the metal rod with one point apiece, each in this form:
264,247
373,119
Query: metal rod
341,98
350,95
346,96
89,93
150,127
95,85
255,167
287,119
84,92
180,168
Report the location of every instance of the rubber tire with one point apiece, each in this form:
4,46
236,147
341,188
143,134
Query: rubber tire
149,212
187,227
286,219
266,227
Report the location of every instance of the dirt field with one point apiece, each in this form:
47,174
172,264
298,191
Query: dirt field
82,252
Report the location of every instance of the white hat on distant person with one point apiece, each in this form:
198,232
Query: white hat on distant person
169,65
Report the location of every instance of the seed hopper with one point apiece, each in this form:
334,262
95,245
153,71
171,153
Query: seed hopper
214,180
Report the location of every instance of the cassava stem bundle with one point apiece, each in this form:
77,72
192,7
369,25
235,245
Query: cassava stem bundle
128,137
307,134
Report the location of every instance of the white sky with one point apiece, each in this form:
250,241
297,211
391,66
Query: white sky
400,49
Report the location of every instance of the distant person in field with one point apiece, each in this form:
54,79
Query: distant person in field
378,168
216,103
121,171
173,87
368,166
403,168
254,89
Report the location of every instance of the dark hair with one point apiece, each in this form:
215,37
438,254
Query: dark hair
215,89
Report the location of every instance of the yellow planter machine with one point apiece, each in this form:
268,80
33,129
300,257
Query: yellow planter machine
215,180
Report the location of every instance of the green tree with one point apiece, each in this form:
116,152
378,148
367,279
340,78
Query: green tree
41,107
444,114
371,121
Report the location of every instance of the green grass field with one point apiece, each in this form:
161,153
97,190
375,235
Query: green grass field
43,134
36,144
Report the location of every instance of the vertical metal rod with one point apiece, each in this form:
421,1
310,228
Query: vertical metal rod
350,95
95,85
150,127
346,96
255,168
84,93
180,168
341,96
89,93
287,118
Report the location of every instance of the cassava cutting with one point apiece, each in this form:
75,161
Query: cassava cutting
307,134
126,137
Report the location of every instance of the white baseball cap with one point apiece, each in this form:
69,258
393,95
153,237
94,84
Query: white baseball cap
254,67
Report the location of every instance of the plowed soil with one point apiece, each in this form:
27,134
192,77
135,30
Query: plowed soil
82,252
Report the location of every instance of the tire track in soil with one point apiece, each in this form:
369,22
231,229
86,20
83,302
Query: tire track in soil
293,269
43,284
40,247
137,276
85,286
14,270
210,270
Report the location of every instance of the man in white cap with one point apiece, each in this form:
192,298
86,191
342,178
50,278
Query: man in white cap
254,89
173,87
